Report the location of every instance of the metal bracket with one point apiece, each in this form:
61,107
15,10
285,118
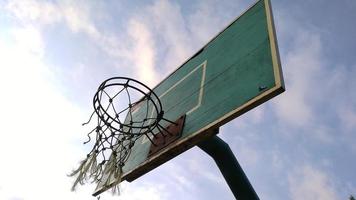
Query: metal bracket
167,135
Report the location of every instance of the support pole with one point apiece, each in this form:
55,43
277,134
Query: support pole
229,167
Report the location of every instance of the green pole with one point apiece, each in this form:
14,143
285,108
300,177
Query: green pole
229,167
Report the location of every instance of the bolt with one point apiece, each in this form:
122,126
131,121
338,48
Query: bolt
261,88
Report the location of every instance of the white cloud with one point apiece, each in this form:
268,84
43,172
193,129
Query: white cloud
243,144
170,26
139,191
134,47
308,183
316,88
252,117
29,40
318,100
203,171
78,18
34,11
40,122
143,52
27,105
300,67
40,127
202,22
43,13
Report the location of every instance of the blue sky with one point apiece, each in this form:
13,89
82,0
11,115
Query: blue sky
53,55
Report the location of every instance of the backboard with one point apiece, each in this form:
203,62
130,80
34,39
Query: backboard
236,71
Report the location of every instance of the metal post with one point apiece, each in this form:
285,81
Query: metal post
229,167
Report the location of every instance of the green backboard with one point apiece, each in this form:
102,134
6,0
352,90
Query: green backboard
236,71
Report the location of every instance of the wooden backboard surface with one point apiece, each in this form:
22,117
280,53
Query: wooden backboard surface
236,71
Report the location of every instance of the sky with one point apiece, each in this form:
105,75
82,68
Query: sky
54,54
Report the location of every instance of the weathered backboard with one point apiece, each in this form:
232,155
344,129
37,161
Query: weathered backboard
236,71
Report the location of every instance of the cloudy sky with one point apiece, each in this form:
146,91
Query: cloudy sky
53,55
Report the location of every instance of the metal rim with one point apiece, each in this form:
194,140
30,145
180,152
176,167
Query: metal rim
125,83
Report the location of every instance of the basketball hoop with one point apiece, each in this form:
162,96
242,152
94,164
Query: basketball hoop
115,135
